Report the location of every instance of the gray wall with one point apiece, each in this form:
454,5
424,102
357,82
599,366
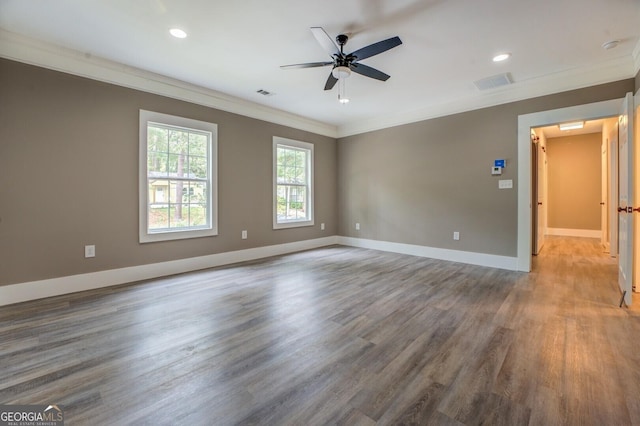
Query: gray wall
420,182
69,173
574,181
637,81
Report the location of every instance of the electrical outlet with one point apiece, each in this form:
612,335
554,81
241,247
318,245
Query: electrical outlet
244,234
357,226
89,251
322,226
456,235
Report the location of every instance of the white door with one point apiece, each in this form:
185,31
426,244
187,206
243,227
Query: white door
613,191
541,188
604,220
625,197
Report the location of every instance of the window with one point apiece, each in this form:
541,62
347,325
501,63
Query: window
292,183
178,162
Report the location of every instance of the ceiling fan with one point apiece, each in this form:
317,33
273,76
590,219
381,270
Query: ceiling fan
343,63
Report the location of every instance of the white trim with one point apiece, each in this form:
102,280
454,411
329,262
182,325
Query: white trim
35,52
567,232
147,117
33,290
305,146
27,50
471,258
525,123
22,292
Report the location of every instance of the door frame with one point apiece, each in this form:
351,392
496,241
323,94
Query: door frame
526,122
613,191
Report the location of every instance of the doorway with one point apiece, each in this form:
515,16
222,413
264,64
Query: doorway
526,122
572,182
627,114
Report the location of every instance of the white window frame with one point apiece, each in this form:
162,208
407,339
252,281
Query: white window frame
290,143
147,236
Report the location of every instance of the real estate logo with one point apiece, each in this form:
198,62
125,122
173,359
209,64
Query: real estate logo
31,415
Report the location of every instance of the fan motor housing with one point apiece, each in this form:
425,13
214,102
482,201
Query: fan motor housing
342,39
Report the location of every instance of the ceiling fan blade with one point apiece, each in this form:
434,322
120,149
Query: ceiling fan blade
307,65
369,72
376,48
331,81
325,41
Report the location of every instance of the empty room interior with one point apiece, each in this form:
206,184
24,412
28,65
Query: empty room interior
306,213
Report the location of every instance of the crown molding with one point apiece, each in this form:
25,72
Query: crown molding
23,49
577,78
34,52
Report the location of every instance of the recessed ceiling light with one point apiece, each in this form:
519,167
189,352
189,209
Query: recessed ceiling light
610,44
571,126
177,33
501,57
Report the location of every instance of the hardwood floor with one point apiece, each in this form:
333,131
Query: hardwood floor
337,336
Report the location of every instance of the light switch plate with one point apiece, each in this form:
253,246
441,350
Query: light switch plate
505,183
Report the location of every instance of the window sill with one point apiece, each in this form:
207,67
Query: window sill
293,224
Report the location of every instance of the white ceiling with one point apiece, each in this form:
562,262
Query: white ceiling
236,47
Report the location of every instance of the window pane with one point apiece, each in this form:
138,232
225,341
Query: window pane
186,192
177,165
157,163
178,141
156,139
198,192
197,167
158,217
197,214
281,203
178,215
198,144
158,191
299,175
291,202
291,166
177,191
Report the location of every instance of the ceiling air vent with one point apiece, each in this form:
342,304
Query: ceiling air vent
493,81
265,92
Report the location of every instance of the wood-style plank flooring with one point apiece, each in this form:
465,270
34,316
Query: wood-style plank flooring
337,335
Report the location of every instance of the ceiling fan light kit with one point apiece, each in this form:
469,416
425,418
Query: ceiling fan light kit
341,72
343,64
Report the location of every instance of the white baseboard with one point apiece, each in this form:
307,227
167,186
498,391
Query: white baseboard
481,259
22,292
567,232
